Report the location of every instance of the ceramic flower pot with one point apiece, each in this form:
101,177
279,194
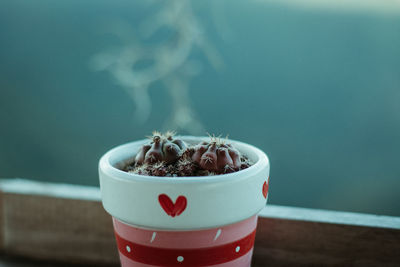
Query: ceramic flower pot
184,221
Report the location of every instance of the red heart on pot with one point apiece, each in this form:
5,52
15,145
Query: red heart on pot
171,208
265,189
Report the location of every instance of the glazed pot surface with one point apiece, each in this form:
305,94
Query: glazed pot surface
183,203
227,246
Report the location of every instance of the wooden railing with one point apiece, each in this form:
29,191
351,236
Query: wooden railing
67,223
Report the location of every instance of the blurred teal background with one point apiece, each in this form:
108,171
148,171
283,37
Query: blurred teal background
316,86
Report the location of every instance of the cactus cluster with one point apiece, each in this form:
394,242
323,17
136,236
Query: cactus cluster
162,148
216,156
166,155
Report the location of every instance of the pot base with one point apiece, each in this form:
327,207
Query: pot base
224,246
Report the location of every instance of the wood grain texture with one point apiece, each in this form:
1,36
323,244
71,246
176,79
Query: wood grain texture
68,224
51,228
282,242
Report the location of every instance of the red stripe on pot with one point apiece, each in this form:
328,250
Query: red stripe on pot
185,257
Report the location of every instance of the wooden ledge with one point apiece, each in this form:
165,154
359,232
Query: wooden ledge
67,223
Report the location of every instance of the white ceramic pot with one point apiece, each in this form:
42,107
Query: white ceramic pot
147,204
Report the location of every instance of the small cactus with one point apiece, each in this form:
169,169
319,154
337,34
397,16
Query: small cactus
216,156
168,156
163,148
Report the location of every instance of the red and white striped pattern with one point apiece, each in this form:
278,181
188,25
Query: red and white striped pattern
227,246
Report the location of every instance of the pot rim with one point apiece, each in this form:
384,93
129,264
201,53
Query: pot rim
122,154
